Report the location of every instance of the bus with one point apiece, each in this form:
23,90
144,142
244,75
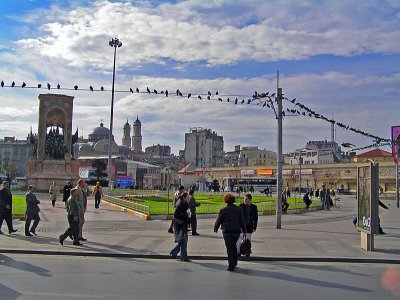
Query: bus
259,184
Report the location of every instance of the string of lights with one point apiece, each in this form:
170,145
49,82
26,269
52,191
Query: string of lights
264,100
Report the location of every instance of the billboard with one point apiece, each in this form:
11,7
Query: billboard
265,172
123,182
303,172
395,136
367,197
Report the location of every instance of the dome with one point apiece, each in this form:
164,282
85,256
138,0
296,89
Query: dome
101,130
85,148
100,133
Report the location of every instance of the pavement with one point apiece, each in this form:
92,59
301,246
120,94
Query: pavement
321,236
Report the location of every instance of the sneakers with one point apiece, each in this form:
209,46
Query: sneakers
33,232
12,231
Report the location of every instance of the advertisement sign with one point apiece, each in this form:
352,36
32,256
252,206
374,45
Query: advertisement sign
264,172
367,197
303,172
286,172
123,182
247,172
395,136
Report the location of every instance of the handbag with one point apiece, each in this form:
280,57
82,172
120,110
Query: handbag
245,246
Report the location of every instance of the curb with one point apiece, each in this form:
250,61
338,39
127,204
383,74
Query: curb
209,257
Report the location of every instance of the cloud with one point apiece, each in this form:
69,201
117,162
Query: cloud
80,35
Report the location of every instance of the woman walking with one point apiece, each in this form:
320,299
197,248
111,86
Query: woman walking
181,223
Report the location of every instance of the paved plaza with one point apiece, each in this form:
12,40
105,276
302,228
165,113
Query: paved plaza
312,236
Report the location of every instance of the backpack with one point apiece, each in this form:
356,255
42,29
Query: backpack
245,246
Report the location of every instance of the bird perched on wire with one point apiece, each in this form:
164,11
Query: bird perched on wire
39,86
347,145
189,95
2,83
48,86
130,89
102,88
91,88
75,87
208,97
148,90
13,84
209,93
199,97
137,90
23,85
155,91
58,86
166,93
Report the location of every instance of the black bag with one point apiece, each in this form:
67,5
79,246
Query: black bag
245,246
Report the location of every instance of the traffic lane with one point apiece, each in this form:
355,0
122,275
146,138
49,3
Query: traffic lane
40,277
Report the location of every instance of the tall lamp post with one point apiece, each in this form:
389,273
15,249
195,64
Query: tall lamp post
115,43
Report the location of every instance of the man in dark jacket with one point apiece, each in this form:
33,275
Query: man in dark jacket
67,191
193,218
250,214
32,212
6,207
73,211
231,220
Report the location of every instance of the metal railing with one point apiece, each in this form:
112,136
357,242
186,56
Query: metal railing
145,209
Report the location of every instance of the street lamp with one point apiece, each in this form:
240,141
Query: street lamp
115,43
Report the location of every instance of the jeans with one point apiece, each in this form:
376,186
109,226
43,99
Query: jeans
97,201
230,243
182,248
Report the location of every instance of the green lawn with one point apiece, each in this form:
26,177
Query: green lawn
19,205
210,203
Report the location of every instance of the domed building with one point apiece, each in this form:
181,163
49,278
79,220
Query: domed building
99,133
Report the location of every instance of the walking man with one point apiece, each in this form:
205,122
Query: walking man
98,194
250,214
82,206
67,191
192,206
6,207
32,211
73,218
325,198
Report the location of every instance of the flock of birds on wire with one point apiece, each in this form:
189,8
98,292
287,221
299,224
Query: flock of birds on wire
260,99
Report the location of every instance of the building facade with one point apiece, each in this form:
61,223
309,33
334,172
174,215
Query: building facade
204,148
14,155
158,150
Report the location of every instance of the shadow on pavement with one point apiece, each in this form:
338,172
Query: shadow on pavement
24,266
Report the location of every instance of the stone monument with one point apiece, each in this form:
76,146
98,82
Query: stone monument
52,159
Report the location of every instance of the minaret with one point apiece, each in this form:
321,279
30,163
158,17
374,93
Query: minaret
126,140
137,135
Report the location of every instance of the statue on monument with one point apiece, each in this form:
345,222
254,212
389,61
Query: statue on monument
55,147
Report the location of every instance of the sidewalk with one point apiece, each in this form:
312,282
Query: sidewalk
313,236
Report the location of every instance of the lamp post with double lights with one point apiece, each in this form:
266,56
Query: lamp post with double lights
115,43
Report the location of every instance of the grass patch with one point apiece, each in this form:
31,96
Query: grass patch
19,205
210,203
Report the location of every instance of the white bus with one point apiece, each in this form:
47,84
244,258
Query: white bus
258,184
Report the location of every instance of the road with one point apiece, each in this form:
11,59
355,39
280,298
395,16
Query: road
60,277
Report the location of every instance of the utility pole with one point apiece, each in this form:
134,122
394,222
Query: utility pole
279,156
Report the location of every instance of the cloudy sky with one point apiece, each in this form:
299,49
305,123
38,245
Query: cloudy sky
341,58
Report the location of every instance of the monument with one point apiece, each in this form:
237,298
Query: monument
52,158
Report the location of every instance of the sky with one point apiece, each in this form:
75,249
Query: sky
340,58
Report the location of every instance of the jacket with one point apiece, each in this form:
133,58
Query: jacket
73,207
192,205
5,199
181,220
251,223
32,202
231,219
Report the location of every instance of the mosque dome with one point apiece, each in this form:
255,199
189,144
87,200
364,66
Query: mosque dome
85,148
99,133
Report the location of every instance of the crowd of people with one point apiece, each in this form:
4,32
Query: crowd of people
237,222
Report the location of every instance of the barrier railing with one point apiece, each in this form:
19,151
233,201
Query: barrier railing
145,209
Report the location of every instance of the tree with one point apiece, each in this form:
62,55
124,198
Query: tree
100,168
12,170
